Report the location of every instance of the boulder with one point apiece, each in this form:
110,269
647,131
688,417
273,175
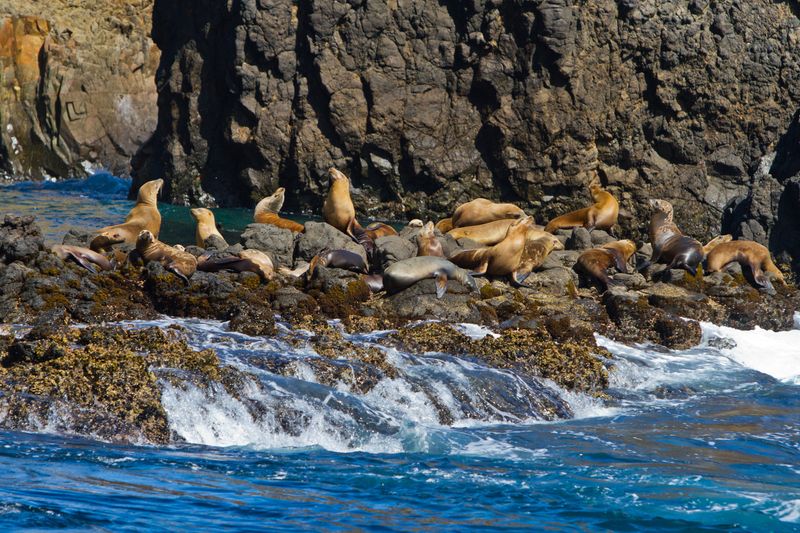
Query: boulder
20,239
320,235
277,242
393,248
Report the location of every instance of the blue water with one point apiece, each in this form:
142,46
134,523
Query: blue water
706,439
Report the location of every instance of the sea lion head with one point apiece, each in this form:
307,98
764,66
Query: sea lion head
416,223
523,223
149,191
627,247
272,203
337,176
427,229
554,242
201,214
511,211
144,239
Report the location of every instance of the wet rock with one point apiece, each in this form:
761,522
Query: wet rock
318,236
560,258
277,242
254,321
637,321
394,248
600,237
77,237
580,239
558,280
630,281
420,301
325,279
291,299
20,239
216,243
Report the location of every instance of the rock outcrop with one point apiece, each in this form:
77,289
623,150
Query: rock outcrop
76,86
428,103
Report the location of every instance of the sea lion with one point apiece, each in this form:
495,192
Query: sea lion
747,253
182,264
143,216
597,261
716,241
245,261
206,227
415,223
445,225
602,215
376,230
266,212
362,237
85,257
427,243
374,282
487,234
338,209
481,211
535,252
344,259
503,258
670,246
403,274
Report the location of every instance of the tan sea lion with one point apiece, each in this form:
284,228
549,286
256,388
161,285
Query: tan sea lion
402,274
338,209
597,261
266,212
602,215
182,264
502,259
487,234
444,225
716,241
206,227
245,261
535,252
85,257
670,246
481,211
376,230
415,223
748,253
427,243
143,216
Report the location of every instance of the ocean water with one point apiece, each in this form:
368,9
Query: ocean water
706,439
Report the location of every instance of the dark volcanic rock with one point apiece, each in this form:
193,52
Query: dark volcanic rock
277,242
20,239
319,235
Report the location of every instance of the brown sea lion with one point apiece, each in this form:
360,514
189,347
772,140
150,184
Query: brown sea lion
376,230
502,259
85,257
716,241
536,250
602,215
244,261
338,209
670,246
206,227
143,216
266,212
746,253
344,259
427,242
402,274
597,261
487,234
182,264
481,211
445,225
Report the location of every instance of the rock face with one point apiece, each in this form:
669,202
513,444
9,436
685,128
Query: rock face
76,86
426,103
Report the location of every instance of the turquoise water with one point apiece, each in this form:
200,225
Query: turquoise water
706,439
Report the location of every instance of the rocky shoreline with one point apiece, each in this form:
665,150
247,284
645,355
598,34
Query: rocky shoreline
545,329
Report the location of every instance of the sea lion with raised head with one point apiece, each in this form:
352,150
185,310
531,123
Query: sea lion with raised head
502,259
487,234
746,253
716,241
427,242
596,262
338,209
181,263
602,215
344,259
538,246
143,216
207,228
244,261
266,212
670,246
85,257
402,274
481,211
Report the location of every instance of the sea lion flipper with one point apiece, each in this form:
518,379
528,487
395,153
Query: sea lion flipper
441,284
78,258
619,260
518,277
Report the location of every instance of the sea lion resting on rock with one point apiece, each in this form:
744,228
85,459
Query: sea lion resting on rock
244,261
181,263
602,215
344,259
403,274
487,234
503,258
481,211
338,209
716,241
748,253
538,246
143,216
85,257
445,225
206,228
670,246
427,243
266,212
597,261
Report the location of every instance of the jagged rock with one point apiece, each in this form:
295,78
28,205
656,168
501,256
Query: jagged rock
420,301
77,237
319,235
393,248
558,280
580,239
636,320
279,243
20,239
601,237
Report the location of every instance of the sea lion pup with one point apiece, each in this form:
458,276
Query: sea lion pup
245,261
88,259
716,241
338,209
206,227
182,264
670,246
538,246
487,234
143,216
597,261
344,259
481,211
266,212
602,215
403,274
748,253
444,225
502,259
427,243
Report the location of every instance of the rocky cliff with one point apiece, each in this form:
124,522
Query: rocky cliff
427,103
76,85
